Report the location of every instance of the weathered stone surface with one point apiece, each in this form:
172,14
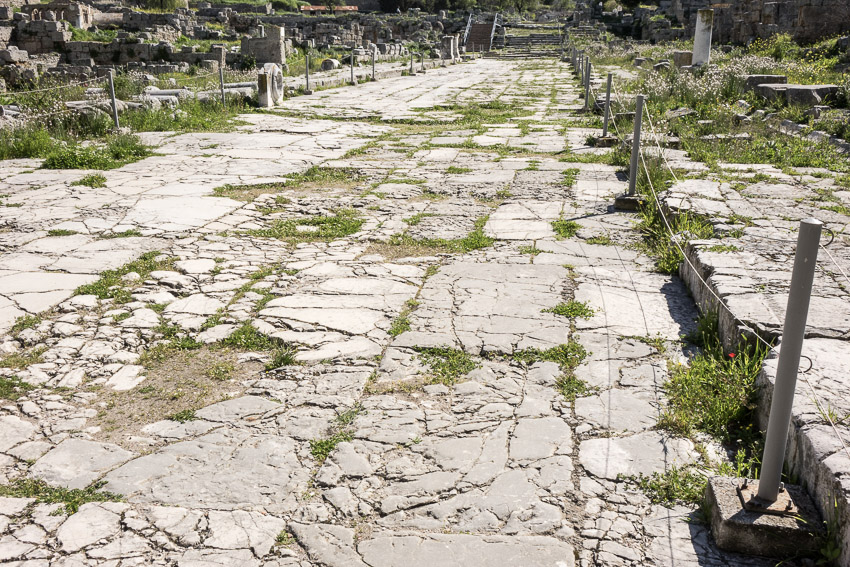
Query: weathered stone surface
76,463
328,544
92,523
639,454
421,551
234,465
14,430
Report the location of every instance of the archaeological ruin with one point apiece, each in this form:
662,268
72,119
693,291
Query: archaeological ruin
401,284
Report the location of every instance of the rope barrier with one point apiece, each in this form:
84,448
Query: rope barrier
815,398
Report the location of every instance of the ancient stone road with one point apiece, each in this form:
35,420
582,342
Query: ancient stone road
496,469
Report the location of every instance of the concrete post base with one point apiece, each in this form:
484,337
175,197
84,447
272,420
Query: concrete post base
606,141
628,202
756,533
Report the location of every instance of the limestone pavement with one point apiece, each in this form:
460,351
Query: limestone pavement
347,453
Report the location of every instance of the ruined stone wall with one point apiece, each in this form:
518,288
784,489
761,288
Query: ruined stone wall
41,36
183,20
91,53
739,21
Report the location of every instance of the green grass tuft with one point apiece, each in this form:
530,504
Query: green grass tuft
447,364
44,493
565,228
572,309
94,180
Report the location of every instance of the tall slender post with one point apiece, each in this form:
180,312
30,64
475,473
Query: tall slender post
633,170
112,96
793,333
607,107
307,73
587,86
221,82
353,82
412,70
422,60
374,78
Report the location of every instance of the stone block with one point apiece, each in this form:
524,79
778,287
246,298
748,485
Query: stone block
771,91
682,58
755,533
752,81
809,95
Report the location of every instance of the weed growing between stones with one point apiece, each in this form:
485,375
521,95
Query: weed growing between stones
532,250
572,309
447,364
402,323
715,393
171,339
321,176
248,338
24,322
115,152
565,228
23,359
568,356
44,493
283,355
321,448
12,388
572,387
475,240
417,218
94,180
284,539
183,416
458,170
340,432
111,286
657,241
247,193
602,240
675,485
617,157
124,234
61,232
570,176
341,224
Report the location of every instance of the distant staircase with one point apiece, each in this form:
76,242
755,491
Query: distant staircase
529,41
480,32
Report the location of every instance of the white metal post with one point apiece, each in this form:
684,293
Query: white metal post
221,82
607,107
633,170
112,96
791,345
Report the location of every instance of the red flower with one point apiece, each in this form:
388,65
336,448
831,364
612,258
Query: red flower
731,355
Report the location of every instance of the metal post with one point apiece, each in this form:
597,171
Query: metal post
221,82
607,107
412,70
793,333
422,60
633,170
353,82
307,73
587,86
112,96
374,78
